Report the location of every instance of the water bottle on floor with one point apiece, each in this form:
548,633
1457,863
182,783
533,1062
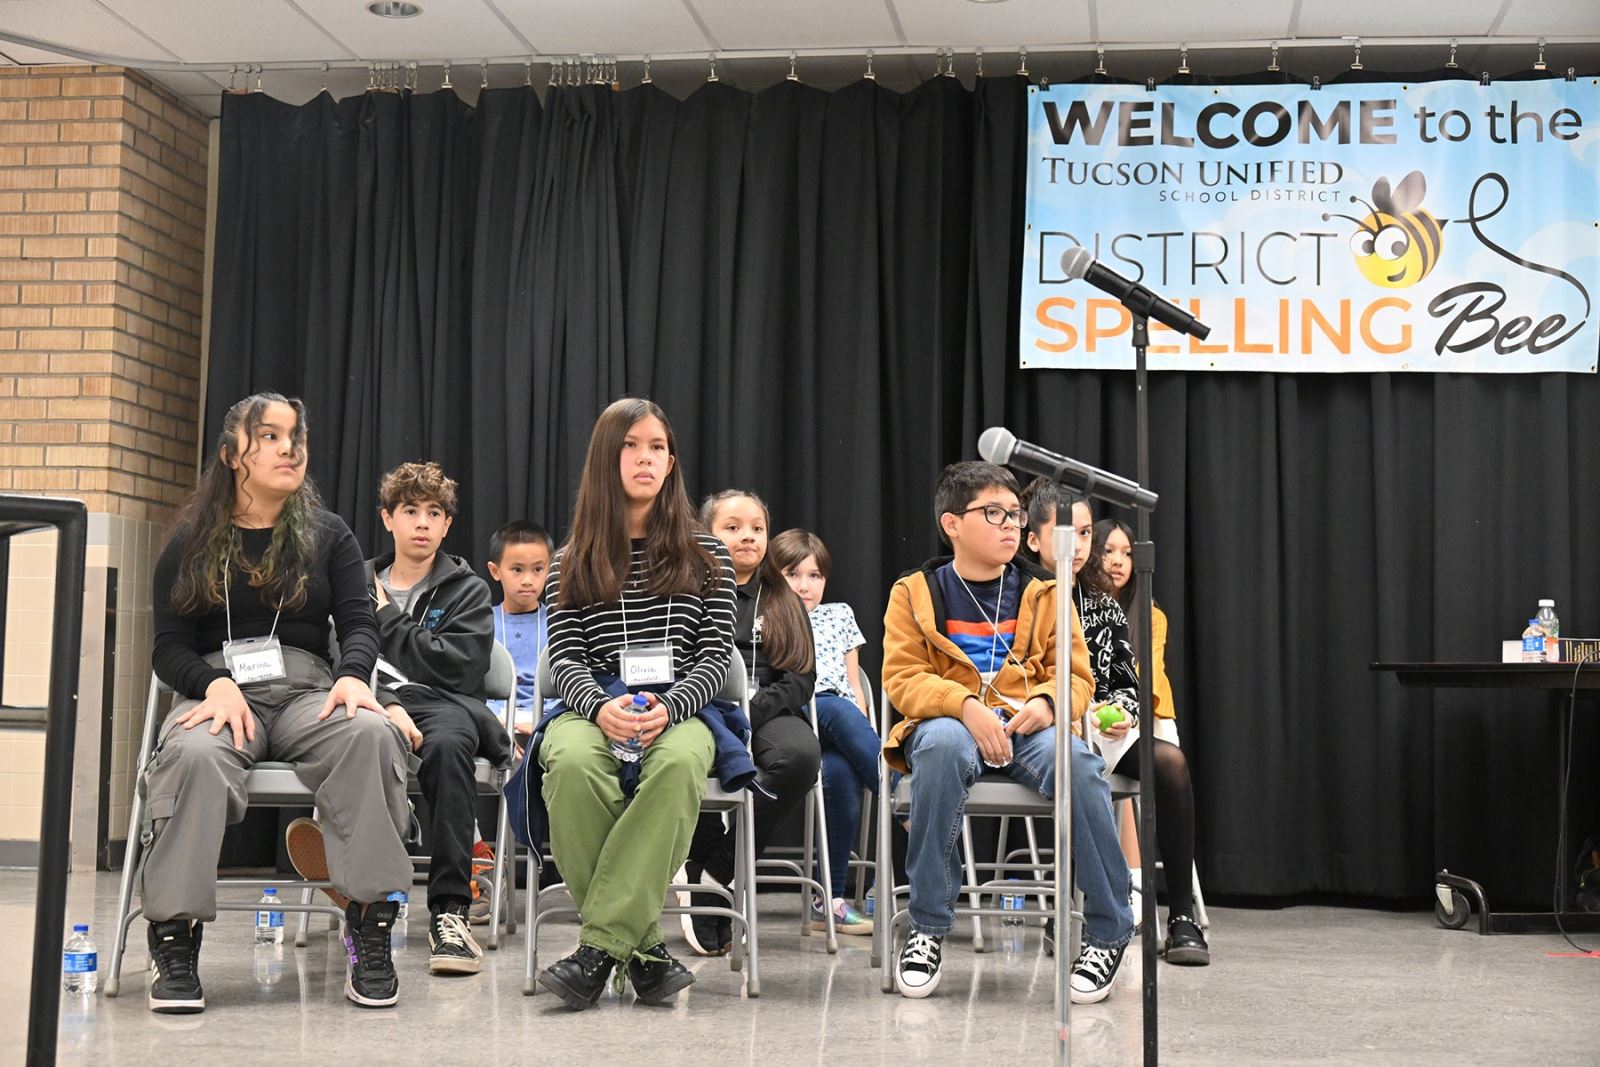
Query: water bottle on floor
871,902
1014,903
269,920
397,933
79,962
630,750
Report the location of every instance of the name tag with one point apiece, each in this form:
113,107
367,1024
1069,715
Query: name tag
647,665
254,659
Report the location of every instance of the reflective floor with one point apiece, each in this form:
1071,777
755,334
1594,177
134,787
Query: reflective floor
1306,985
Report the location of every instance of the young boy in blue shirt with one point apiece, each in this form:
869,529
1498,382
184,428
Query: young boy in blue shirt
969,651
519,559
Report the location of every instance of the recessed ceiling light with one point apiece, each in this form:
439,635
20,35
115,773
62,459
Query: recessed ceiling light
400,9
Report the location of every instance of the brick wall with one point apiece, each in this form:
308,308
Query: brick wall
102,251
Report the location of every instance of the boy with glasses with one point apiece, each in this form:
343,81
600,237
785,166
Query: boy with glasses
969,660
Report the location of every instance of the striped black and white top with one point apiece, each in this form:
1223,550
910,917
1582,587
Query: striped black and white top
589,640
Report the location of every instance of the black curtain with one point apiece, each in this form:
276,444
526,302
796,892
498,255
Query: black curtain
822,291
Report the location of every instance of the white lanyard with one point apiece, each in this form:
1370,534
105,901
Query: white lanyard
994,623
624,601
541,626
227,603
755,637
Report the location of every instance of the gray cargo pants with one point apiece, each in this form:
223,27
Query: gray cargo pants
355,767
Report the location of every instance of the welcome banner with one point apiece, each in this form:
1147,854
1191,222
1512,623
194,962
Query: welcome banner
1444,226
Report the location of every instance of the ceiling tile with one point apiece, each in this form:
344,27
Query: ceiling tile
226,31
958,23
1385,18
1551,18
1175,21
446,29
76,26
626,27
851,24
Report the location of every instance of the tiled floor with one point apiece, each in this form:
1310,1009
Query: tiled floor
1307,985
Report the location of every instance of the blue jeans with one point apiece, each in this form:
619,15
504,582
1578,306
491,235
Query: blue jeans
850,748
944,764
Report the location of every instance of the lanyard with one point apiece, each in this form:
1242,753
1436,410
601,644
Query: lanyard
227,603
624,603
755,636
994,623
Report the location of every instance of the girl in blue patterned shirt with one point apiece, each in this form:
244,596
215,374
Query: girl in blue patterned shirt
850,743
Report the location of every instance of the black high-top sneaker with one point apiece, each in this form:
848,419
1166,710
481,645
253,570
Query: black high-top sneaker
175,968
370,981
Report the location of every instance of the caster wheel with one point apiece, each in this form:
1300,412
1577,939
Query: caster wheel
1457,914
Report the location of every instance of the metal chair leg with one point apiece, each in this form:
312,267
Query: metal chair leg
976,899
826,882
130,864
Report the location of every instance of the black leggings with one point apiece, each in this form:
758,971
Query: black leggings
787,756
1174,819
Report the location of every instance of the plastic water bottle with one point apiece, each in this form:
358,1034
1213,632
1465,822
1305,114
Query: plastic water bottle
630,750
397,932
1533,643
1013,904
269,920
1550,626
871,901
80,963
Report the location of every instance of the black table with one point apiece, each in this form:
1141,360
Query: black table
1456,896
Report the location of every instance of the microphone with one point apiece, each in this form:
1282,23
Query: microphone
1000,446
1077,262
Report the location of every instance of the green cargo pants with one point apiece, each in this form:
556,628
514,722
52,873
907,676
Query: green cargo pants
618,856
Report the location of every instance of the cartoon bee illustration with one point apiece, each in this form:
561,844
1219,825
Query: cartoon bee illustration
1398,244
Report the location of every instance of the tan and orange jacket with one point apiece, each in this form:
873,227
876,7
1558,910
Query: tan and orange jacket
925,675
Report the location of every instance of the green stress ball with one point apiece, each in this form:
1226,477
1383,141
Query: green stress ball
1108,716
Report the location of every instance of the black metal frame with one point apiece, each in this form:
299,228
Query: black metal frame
21,514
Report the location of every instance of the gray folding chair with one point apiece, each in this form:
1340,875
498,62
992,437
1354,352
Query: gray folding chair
992,795
813,851
269,784
546,904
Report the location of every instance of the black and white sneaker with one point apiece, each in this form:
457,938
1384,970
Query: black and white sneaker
370,981
1093,972
708,935
451,949
175,968
917,973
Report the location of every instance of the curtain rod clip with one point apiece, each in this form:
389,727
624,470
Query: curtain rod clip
1022,68
446,84
1452,65
870,75
712,76
1273,66
1100,60
1539,63
1356,63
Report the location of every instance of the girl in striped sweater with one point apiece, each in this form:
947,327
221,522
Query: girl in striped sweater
640,603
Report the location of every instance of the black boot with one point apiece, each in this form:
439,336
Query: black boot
175,968
657,977
580,978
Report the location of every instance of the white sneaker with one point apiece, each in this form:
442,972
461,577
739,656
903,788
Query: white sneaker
1093,972
917,973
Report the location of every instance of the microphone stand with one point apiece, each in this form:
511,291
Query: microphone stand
1061,542
1144,567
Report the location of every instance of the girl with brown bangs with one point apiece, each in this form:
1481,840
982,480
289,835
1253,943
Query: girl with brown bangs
641,606
773,634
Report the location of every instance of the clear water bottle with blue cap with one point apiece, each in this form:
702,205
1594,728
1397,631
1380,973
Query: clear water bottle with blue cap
269,919
630,750
79,962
